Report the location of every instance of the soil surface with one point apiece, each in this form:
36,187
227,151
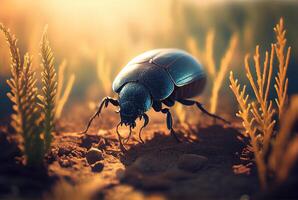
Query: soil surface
91,166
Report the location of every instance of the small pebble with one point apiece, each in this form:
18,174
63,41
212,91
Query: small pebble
65,163
93,155
120,173
89,140
97,167
191,162
150,163
64,150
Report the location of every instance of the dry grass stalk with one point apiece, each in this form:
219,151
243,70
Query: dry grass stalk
49,88
220,75
191,45
180,112
208,59
209,53
281,81
60,79
285,148
61,98
104,73
25,119
288,160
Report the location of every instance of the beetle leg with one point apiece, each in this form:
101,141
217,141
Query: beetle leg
129,136
105,102
157,106
169,102
113,101
146,121
120,139
170,122
200,106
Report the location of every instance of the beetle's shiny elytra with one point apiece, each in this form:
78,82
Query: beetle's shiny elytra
156,77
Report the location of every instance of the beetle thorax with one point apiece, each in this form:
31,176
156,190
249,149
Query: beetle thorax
134,100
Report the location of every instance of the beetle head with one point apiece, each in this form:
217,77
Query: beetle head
134,100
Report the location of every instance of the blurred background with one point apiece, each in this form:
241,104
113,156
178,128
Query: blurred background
95,39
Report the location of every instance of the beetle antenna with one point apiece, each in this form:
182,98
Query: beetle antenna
90,121
105,102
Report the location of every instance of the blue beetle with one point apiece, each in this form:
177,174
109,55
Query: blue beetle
156,77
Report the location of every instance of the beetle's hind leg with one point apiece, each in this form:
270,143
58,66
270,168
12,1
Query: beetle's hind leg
105,102
187,102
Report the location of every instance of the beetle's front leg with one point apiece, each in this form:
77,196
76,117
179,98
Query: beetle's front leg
146,121
170,122
105,102
123,149
157,106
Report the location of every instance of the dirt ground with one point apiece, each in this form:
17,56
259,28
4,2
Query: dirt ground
91,166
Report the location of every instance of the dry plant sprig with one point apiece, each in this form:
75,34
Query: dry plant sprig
25,119
33,118
14,82
34,143
262,109
245,106
249,124
14,51
61,98
262,112
49,88
281,81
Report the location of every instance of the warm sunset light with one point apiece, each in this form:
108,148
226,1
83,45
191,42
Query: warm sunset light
148,99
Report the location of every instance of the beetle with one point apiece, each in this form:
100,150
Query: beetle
154,78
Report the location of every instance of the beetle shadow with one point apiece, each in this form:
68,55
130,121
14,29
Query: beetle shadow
204,139
156,164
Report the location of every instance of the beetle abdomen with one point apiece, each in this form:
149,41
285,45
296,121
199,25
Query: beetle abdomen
191,90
